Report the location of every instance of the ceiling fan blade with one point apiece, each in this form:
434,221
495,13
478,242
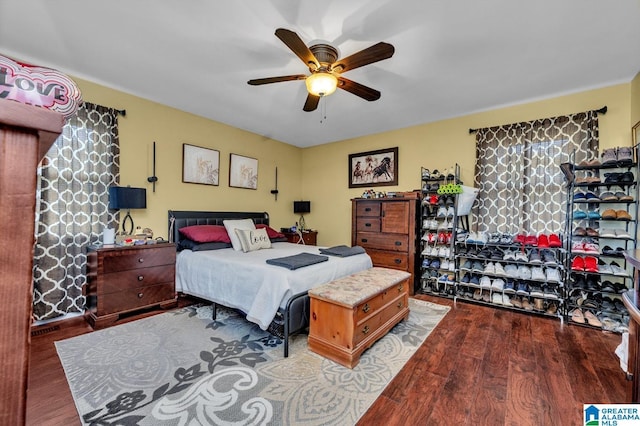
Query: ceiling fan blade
358,89
258,81
372,54
311,103
297,46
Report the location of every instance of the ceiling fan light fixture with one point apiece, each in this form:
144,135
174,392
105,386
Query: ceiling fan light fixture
321,83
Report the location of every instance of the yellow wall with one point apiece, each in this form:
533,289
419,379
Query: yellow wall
146,122
438,145
318,173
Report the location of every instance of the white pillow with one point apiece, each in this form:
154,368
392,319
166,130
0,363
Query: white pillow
253,239
232,225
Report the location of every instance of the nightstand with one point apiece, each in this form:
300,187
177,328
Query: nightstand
309,237
124,279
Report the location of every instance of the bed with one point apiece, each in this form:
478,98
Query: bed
273,297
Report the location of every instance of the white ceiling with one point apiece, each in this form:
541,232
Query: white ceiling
451,57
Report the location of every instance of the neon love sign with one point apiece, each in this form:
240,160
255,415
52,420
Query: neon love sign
38,86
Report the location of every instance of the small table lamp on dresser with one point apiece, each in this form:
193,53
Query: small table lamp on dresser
126,197
301,207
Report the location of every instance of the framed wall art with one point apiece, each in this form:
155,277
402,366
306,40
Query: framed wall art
374,168
243,172
200,165
635,133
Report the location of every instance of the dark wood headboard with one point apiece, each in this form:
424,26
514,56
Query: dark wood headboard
180,219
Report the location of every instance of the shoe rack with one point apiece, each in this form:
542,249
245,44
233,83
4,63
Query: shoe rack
438,222
602,224
518,272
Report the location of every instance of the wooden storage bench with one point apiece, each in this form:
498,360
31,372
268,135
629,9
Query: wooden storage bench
350,314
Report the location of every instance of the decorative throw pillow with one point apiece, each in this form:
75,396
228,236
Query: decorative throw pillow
232,224
272,233
206,233
253,239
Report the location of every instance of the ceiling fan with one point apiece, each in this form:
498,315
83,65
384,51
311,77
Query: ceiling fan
326,68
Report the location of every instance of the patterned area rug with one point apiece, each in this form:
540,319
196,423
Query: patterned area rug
182,368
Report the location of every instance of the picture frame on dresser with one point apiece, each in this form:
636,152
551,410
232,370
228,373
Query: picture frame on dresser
243,172
374,168
200,165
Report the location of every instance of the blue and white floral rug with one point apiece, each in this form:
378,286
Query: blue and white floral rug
182,368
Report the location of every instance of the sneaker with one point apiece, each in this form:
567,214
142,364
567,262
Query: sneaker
522,289
474,280
496,298
509,287
524,272
489,268
617,270
537,273
625,155
516,302
536,291
577,247
468,265
550,292
497,284
444,264
499,270
521,256
485,282
609,157
506,300
549,257
450,211
534,257
477,267
591,248
442,212
553,276
509,255
511,271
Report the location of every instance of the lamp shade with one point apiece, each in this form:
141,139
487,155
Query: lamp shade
302,206
321,83
125,197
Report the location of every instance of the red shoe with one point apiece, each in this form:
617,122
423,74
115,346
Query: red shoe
519,239
590,264
554,241
530,240
578,263
543,241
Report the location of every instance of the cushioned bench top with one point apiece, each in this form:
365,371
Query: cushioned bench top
356,288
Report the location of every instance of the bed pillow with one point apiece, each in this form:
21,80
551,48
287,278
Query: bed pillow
272,233
253,239
206,233
194,246
232,224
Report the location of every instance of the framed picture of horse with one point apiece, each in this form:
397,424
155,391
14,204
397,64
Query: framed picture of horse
374,168
200,165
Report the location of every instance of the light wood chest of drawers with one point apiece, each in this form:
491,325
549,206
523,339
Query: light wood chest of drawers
126,279
350,314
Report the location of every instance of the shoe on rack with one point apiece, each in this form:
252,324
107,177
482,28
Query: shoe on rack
543,241
579,232
579,196
521,256
538,304
536,291
554,241
623,215
499,270
549,257
509,287
522,289
609,214
526,304
552,309
621,233
591,197
511,271
625,155
591,232
489,268
552,275
496,298
485,282
590,264
516,302
577,264
592,319
506,300
450,211
617,270
593,215
534,257
576,315
579,214
524,272
537,274
608,196
622,196
442,212
577,247
609,157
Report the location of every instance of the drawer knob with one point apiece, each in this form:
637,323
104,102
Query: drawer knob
365,330
140,260
400,288
140,277
367,225
140,295
367,209
364,240
398,243
400,304
365,308
398,261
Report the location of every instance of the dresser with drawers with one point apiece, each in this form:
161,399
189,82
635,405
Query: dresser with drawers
122,280
387,229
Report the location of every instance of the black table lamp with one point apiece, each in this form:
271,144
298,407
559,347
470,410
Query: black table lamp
125,197
301,207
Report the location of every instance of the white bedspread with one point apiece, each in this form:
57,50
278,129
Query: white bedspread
245,281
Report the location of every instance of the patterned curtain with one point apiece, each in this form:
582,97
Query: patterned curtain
72,207
521,186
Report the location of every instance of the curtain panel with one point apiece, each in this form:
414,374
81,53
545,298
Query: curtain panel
72,207
521,186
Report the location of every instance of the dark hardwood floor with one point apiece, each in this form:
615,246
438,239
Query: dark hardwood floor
481,365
